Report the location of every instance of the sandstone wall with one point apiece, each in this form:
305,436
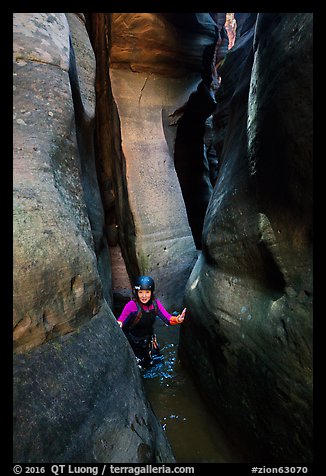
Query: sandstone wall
78,396
248,336
248,332
56,281
156,64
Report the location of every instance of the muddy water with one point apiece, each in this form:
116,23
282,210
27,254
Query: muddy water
193,434
190,428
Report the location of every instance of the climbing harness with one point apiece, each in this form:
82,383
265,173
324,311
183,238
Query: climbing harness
145,346
140,311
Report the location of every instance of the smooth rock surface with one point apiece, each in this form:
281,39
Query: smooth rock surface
78,395
248,336
164,244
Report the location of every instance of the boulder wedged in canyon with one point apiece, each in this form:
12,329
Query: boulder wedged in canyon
78,396
248,335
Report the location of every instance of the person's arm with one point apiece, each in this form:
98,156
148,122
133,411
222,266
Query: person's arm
168,318
179,318
125,315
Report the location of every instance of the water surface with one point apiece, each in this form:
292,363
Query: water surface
191,429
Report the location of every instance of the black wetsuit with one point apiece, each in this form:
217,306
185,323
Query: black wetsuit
141,336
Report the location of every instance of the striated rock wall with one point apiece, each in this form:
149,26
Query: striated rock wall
229,72
156,64
82,77
163,240
248,336
169,44
56,282
78,396
248,332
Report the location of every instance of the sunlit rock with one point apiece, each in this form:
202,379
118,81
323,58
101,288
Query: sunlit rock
155,68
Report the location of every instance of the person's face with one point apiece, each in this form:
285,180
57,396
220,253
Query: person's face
144,295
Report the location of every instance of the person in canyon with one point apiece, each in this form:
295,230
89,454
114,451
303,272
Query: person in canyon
138,317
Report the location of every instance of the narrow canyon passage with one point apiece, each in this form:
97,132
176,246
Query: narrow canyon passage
144,144
169,124
192,430
190,427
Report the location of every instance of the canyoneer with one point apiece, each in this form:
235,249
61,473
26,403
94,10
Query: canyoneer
138,317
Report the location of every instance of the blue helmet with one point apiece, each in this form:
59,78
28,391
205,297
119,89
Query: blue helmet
144,282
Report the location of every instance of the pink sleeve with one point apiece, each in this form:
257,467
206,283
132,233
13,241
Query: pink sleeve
130,307
162,312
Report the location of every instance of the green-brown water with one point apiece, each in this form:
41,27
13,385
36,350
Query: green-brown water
193,433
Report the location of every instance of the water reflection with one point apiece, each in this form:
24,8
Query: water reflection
192,431
163,367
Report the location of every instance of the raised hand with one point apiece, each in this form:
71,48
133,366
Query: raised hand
180,317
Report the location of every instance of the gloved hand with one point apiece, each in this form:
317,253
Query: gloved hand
179,318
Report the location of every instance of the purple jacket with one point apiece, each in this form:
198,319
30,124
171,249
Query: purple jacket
130,310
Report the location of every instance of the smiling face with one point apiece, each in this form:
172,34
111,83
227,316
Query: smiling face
144,295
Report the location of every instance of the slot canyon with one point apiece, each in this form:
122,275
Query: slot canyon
179,146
